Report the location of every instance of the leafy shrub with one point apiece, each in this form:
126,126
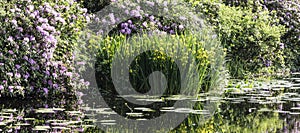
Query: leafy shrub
288,13
250,35
251,38
209,9
36,50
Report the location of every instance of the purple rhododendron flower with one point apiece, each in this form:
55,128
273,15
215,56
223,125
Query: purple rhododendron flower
31,38
39,29
10,39
47,73
32,62
69,74
150,3
33,68
87,83
19,117
30,7
129,22
123,31
18,75
10,52
46,90
26,39
54,75
31,33
43,20
10,74
128,31
144,24
18,87
124,25
50,82
27,75
10,88
14,22
55,86
172,32
135,13
151,18
180,27
20,29
26,58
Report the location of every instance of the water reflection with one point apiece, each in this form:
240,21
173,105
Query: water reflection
253,106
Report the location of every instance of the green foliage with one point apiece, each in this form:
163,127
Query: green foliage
209,9
251,38
159,60
250,35
288,12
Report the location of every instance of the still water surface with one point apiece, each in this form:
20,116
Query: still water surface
254,106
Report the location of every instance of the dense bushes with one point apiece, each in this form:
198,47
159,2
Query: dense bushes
288,13
255,19
251,39
36,49
250,34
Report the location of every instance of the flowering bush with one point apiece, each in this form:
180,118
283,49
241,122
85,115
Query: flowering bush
36,49
144,16
148,23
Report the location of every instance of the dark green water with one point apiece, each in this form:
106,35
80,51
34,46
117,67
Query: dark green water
252,106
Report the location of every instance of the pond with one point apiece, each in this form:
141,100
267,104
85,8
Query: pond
252,106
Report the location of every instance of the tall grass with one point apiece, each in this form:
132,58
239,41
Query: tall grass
192,53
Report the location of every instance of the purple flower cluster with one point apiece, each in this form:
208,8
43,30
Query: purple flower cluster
149,23
140,21
127,27
33,32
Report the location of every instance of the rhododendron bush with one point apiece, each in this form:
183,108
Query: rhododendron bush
37,40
